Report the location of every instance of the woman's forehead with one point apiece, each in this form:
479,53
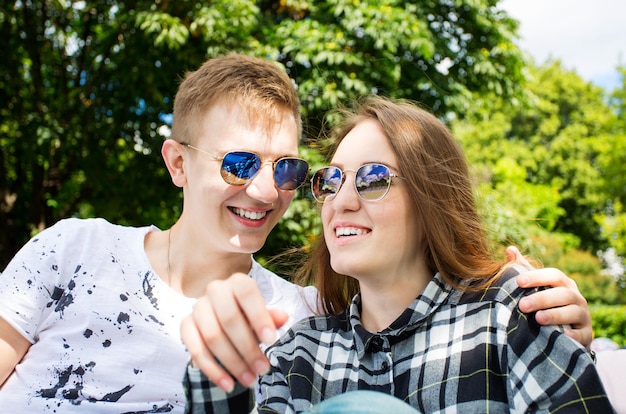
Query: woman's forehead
365,143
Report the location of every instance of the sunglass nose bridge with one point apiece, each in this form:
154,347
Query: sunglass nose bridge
265,173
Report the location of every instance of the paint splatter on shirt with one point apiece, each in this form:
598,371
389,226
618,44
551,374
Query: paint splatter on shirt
105,328
84,294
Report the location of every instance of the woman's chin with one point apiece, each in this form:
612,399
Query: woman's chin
348,268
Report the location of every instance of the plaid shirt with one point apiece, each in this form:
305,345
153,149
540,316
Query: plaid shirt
448,352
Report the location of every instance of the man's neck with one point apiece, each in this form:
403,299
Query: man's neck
188,269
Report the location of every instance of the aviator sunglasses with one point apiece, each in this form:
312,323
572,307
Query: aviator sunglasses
240,167
371,181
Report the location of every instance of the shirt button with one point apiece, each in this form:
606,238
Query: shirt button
377,344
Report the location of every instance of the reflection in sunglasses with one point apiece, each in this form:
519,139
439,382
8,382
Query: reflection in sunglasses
239,167
371,182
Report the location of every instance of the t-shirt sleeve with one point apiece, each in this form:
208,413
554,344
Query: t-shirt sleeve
30,283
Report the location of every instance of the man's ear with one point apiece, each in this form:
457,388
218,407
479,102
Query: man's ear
174,156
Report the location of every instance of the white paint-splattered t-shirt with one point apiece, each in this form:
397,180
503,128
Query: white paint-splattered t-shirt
105,328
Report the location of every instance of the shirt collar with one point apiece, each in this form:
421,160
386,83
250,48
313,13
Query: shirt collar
417,314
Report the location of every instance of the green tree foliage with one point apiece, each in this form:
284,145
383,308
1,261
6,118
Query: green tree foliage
550,171
612,159
553,154
609,322
82,91
85,87
565,129
435,52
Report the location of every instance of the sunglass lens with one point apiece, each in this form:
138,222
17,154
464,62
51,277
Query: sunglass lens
326,182
290,173
372,181
240,167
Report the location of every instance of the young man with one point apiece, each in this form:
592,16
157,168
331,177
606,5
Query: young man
90,312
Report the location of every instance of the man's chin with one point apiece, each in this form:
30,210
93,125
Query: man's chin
247,246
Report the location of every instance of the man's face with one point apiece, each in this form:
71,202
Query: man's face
228,218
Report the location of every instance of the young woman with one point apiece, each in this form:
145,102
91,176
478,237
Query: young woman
417,308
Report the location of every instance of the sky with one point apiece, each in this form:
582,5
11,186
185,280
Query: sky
588,36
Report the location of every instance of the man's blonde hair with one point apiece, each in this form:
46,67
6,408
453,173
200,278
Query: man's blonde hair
258,86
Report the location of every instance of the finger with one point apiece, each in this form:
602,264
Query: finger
513,255
553,298
253,306
217,341
201,356
570,315
546,277
584,336
562,304
575,318
233,342
280,318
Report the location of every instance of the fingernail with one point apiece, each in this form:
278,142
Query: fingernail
542,317
261,367
268,336
247,379
525,304
227,385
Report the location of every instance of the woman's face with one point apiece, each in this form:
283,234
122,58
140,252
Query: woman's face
370,238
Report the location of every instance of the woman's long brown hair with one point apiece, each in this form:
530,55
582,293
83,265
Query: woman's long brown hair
438,180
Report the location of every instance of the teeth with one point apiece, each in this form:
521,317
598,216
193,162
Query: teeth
251,215
348,231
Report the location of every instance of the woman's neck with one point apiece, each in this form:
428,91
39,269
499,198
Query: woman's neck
382,303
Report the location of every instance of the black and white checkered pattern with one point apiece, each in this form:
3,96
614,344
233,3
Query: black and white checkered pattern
448,352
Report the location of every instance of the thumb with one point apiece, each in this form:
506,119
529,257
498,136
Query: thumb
512,254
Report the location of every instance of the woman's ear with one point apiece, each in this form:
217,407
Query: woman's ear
174,156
